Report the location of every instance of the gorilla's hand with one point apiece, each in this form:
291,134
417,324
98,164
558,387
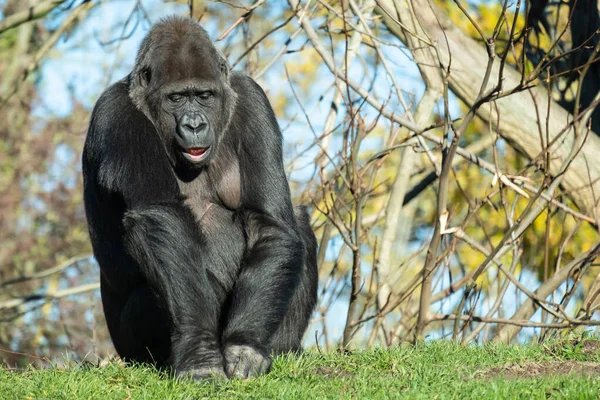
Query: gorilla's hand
202,373
245,362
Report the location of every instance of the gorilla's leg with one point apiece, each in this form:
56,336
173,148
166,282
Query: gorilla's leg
291,331
167,244
138,327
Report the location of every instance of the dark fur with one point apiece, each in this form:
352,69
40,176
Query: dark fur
206,267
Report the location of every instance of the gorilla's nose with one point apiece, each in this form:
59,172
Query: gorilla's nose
194,123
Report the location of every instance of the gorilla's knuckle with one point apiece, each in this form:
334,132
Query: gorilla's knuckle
243,361
202,374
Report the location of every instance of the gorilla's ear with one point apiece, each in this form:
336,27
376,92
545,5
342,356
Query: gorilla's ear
223,65
145,76
224,69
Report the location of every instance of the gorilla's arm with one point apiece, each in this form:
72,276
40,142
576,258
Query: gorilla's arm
122,154
275,252
140,227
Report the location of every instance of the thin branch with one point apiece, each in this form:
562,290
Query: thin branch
30,14
47,272
59,294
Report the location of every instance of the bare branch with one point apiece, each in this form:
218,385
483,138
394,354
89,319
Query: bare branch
30,14
59,294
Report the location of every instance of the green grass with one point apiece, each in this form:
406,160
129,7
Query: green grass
442,370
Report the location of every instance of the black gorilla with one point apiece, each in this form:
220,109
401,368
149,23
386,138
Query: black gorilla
205,265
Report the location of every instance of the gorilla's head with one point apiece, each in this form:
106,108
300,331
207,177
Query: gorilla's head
181,83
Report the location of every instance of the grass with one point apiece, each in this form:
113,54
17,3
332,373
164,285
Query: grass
442,370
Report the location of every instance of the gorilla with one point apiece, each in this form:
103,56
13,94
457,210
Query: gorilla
206,268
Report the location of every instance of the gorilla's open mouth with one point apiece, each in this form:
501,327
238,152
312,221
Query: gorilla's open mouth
195,154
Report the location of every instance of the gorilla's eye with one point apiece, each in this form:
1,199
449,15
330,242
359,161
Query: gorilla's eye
175,98
205,95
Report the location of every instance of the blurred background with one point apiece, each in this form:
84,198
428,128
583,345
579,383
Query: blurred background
445,149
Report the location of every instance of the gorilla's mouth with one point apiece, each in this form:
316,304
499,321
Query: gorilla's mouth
195,154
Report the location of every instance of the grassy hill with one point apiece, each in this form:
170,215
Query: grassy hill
439,370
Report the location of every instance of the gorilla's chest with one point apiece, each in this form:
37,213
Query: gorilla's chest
214,200
215,188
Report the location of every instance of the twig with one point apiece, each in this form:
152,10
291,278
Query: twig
241,19
30,14
59,294
47,272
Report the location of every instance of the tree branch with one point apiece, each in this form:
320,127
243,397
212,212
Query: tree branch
30,14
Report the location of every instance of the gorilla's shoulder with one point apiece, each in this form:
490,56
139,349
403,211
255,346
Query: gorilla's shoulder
115,97
115,108
253,112
243,84
250,95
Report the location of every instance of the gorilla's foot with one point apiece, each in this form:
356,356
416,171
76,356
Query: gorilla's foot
245,362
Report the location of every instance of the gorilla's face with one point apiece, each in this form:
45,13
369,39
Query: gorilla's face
190,112
181,83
